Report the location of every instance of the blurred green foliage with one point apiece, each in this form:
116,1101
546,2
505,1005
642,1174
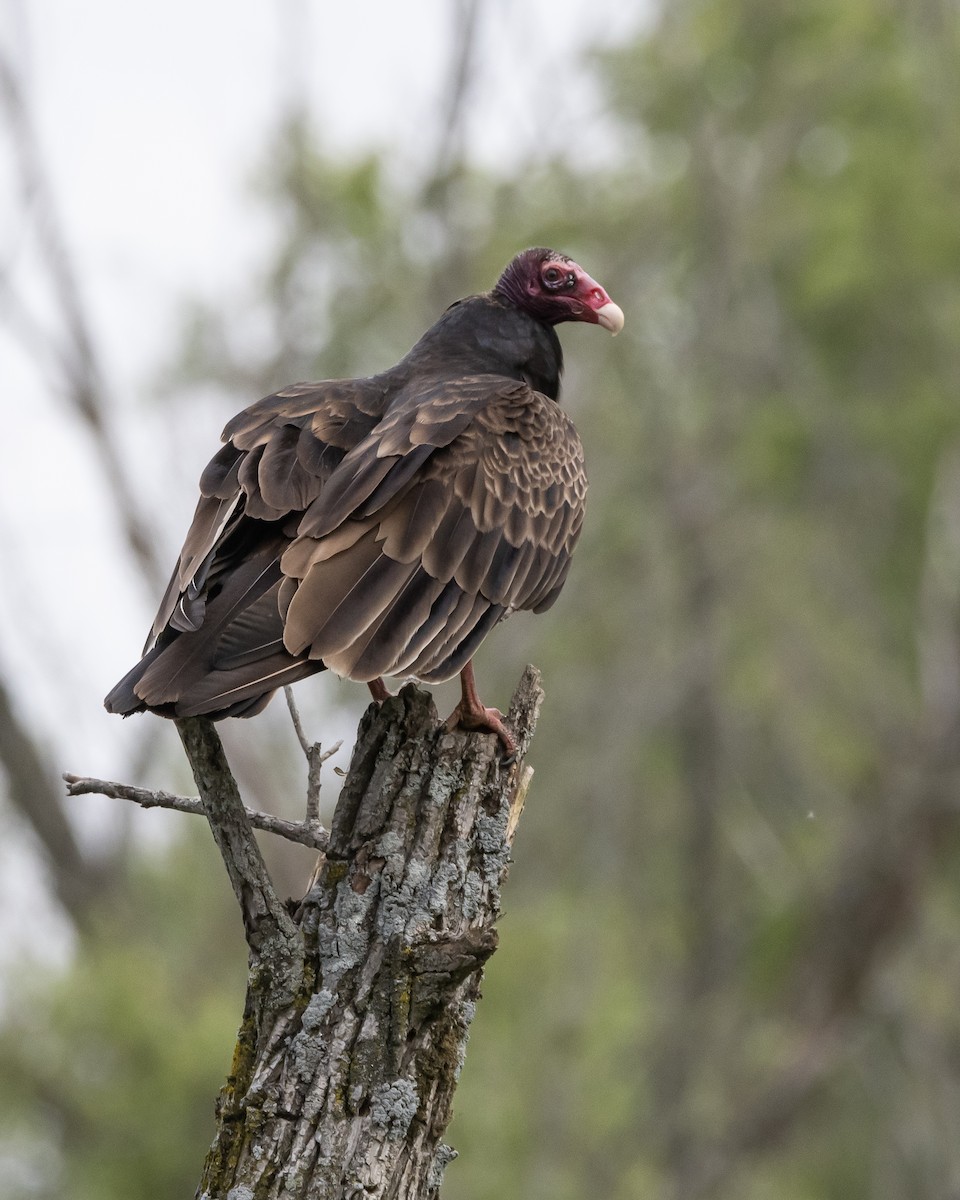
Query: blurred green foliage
729,965
110,1070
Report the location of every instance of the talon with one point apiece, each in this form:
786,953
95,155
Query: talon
483,720
471,714
378,690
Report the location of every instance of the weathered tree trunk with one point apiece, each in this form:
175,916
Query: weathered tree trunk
358,1006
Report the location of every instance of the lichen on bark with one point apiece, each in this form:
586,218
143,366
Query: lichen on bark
346,1089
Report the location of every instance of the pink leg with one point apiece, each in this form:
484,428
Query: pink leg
471,714
378,690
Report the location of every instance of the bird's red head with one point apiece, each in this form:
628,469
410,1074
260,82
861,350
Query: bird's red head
553,288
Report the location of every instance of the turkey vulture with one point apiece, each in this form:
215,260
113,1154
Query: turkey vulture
383,526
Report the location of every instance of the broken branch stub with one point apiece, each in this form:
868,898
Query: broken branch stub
348,1090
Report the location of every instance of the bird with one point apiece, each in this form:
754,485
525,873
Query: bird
383,526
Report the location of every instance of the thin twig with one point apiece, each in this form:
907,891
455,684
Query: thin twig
293,831
465,44
315,756
295,717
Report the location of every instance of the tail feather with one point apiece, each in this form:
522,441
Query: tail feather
231,665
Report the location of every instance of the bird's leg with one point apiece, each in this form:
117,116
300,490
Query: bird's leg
378,690
471,714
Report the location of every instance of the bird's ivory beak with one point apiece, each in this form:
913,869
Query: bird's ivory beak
610,316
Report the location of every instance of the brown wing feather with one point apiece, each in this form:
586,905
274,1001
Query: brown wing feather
517,493
286,485
418,424
480,525
452,649
332,533
274,462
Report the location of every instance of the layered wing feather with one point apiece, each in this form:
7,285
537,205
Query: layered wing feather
216,644
277,456
446,517
370,529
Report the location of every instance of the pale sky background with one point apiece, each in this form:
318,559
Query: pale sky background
152,117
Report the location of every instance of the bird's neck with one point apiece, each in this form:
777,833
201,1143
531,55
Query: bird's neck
488,335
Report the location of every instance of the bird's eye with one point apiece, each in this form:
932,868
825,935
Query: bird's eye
554,278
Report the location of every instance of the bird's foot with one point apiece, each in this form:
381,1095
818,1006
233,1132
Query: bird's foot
484,720
471,714
378,690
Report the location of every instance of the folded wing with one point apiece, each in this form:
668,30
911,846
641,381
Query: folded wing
338,530
448,516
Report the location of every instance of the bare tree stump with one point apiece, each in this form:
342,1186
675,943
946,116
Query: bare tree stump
358,1007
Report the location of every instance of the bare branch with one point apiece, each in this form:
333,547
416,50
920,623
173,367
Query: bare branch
33,792
65,353
293,831
450,146
315,756
295,717
276,945
80,364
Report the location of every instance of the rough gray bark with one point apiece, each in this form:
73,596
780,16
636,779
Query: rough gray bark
359,1003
